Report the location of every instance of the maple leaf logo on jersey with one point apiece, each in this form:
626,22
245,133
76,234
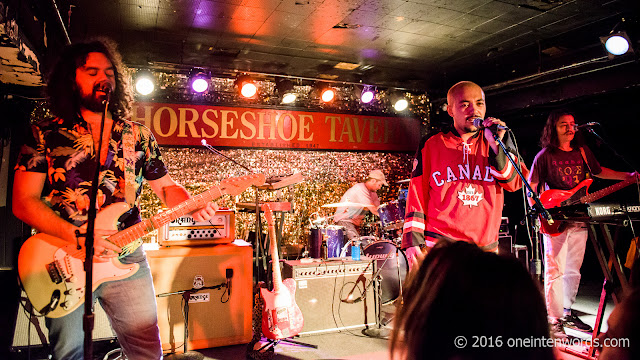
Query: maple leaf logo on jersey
470,197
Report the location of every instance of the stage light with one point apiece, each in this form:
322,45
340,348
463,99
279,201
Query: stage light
144,83
616,44
289,98
401,104
284,88
328,94
199,83
246,86
367,95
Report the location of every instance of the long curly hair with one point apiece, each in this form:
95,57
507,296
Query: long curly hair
549,137
61,90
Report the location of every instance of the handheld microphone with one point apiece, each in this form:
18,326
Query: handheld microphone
587,125
477,122
229,275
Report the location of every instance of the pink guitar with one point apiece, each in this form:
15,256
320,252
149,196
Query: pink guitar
281,316
52,270
578,195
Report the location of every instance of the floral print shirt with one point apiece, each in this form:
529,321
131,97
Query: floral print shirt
65,152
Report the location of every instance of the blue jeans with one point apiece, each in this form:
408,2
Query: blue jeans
130,305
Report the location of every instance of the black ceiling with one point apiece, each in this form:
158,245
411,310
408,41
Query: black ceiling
424,45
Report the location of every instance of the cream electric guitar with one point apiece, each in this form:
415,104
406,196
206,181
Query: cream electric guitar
52,270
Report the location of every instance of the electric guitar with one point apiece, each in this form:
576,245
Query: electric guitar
281,316
578,195
52,270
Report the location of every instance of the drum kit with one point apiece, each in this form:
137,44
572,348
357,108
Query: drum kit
380,241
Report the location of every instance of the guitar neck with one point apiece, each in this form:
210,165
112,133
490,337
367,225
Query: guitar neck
273,240
606,191
140,229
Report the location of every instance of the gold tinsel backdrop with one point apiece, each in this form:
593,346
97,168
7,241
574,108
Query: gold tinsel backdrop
328,174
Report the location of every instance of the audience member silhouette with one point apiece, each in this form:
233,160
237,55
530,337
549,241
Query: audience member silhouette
464,303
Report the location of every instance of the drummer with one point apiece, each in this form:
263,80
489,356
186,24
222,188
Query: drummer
362,193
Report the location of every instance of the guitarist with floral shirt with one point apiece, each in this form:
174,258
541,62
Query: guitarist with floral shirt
562,164
53,180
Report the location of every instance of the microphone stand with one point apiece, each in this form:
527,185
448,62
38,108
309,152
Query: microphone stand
537,207
591,131
379,331
88,318
259,249
186,295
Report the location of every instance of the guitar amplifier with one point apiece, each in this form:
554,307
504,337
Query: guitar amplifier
214,317
321,287
220,229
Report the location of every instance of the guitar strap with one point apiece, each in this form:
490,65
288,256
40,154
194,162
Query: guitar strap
129,136
584,157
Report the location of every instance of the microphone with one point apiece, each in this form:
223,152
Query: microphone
105,87
229,275
587,125
477,122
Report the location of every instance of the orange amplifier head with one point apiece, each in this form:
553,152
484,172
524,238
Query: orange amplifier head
220,229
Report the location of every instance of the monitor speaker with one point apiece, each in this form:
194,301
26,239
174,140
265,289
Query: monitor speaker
31,330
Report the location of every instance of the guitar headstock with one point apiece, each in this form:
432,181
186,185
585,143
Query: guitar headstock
235,186
268,213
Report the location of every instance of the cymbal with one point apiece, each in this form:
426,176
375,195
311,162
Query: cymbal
403,181
347,204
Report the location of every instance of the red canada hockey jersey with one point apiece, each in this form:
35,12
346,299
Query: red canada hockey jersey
456,190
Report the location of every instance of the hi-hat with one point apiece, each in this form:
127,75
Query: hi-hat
347,204
403,181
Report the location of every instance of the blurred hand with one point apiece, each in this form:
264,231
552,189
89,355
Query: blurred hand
414,257
206,212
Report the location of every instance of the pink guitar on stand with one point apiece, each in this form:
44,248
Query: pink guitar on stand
281,316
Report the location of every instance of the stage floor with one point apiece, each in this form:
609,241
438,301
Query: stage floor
351,344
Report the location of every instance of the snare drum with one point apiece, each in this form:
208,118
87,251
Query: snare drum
393,270
392,214
333,235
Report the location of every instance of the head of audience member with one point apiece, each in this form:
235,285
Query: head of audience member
464,303
465,102
622,339
66,92
375,180
559,128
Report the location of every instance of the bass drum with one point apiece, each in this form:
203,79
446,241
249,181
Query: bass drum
394,270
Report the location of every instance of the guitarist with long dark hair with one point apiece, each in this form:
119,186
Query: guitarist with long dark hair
52,181
565,163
